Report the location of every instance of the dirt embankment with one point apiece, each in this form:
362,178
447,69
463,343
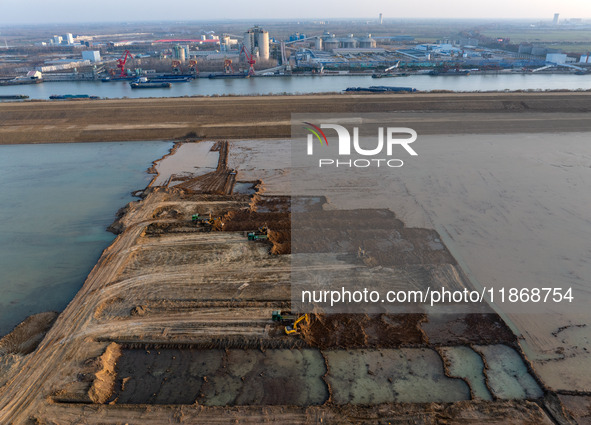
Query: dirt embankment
269,116
28,334
104,377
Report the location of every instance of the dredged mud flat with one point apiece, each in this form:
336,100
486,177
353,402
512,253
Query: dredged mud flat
173,302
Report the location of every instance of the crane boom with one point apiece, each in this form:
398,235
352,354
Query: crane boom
249,59
121,62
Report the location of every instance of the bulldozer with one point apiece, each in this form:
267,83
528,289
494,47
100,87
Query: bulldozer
290,320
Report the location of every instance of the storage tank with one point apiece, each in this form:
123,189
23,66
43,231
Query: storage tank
367,42
262,42
318,44
248,42
331,43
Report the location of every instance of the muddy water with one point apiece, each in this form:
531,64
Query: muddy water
508,377
56,202
307,376
402,375
465,363
219,378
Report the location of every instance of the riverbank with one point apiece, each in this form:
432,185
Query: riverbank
269,116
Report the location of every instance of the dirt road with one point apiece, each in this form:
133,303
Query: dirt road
269,116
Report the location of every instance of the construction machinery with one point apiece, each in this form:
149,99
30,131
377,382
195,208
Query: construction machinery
258,235
250,59
198,219
121,63
193,66
290,320
176,67
209,223
228,68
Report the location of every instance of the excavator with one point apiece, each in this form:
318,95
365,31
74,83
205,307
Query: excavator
209,223
260,234
290,321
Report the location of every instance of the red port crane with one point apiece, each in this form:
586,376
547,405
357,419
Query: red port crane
249,59
121,63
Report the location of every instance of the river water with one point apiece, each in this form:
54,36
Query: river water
56,202
305,84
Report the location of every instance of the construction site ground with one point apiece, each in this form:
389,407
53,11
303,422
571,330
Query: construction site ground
173,324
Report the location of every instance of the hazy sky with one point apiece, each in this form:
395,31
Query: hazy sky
57,11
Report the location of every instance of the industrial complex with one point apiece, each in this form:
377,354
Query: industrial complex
255,51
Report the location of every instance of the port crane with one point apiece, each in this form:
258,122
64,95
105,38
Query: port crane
228,68
249,59
193,66
121,62
176,67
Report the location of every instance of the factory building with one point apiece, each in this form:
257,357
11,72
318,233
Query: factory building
558,58
91,55
256,41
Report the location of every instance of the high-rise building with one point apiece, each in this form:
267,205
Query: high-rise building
555,20
69,38
57,39
381,19
256,41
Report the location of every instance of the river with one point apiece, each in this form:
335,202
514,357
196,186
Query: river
305,84
56,203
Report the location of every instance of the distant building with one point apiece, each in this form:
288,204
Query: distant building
472,42
34,75
91,55
559,58
57,39
381,19
555,20
69,38
256,41
525,49
539,51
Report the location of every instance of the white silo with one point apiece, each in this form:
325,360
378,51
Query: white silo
318,44
262,42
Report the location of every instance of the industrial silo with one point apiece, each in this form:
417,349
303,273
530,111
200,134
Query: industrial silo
262,42
249,42
318,44
367,42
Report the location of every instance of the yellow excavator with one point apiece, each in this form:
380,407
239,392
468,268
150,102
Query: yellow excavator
211,223
290,320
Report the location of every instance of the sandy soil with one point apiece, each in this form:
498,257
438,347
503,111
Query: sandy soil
269,116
